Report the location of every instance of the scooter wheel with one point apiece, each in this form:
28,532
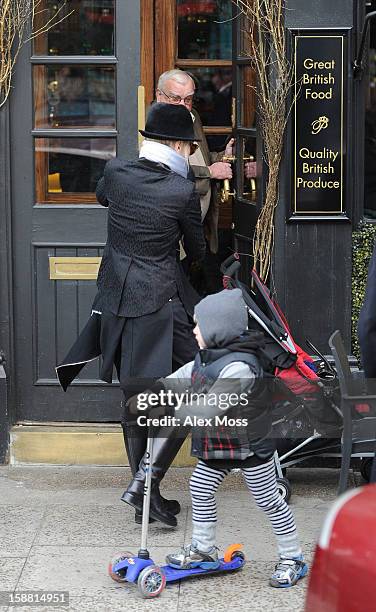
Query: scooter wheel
151,581
118,576
238,554
284,488
232,551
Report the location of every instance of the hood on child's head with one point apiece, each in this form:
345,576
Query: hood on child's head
221,317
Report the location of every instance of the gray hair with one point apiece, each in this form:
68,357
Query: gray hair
174,75
168,143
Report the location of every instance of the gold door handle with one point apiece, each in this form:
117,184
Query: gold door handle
225,191
232,158
253,187
253,192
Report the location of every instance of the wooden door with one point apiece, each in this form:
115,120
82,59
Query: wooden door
74,106
206,39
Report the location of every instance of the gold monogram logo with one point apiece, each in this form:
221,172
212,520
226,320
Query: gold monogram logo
320,124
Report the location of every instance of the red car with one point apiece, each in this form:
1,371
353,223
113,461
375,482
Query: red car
343,575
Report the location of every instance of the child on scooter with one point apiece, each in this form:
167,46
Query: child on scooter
229,355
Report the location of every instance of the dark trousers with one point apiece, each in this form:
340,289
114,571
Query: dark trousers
179,345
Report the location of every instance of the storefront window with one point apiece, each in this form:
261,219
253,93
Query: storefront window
204,49
74,96
86,27
204,29
69,168
213,94
213,99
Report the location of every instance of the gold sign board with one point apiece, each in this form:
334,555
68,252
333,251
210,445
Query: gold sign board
74,268
320,125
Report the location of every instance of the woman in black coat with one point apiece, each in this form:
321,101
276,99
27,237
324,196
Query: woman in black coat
141,320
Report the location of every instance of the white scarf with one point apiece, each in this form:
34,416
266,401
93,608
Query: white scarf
163,154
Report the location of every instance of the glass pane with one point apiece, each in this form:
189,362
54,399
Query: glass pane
70,166
204,29
213,97
88,30
247,170
247,117
74,96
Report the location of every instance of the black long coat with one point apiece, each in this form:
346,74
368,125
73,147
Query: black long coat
150,209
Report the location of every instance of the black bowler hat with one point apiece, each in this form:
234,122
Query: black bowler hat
169,122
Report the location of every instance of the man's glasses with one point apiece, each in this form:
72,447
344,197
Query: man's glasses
178,99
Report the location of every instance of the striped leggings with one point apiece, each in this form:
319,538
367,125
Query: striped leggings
261,481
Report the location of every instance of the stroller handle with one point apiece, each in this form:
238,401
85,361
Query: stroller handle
234,257
230,272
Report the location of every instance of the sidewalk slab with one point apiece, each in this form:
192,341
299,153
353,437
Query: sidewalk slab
102,526
19,526
60,526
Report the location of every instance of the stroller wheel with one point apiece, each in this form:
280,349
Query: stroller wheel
365,468
284,488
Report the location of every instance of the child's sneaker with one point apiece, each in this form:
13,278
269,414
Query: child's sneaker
190,557
287,572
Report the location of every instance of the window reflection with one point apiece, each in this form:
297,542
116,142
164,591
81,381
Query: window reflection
204,29
89,30
213,100
70,165
74,96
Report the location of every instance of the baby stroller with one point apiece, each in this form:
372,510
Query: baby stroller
307,420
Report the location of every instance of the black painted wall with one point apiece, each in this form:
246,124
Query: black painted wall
6,354
312,260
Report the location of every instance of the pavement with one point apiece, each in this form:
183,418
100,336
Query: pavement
60,526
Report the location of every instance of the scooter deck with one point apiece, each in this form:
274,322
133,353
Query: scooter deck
172,574
134,565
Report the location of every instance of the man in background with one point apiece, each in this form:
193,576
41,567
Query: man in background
178,87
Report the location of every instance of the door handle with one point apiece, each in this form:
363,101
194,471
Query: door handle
253,192
232,158
225,191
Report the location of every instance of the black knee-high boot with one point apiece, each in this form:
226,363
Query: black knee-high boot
135,447
135,440
164,451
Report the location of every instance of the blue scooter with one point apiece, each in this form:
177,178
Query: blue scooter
151,579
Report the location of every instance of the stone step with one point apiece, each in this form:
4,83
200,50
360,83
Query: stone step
75,444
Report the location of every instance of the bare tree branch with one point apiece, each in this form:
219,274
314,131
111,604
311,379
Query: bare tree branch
17,28
267,52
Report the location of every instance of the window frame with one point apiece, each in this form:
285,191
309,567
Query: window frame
41,194
166,53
